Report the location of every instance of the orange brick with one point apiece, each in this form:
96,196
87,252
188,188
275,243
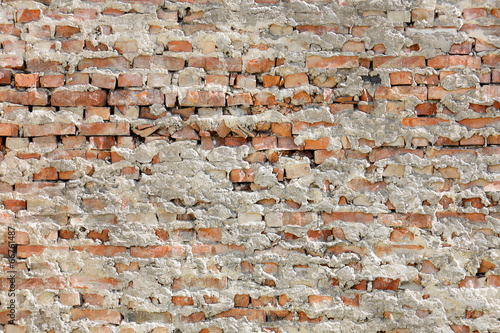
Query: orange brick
52,81
27,15
180,46
26,80
401,78
264,143
296,80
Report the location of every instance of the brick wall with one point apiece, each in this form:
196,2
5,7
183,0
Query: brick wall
250,166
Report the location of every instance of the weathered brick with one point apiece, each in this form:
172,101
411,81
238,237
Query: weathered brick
49,129
105,129
398,62
27,15
114,63
78,98
204,98
32,97
332,62
136,97
401,92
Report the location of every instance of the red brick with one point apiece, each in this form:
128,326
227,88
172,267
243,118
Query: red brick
116,63
276,315
241,300
264,143
176,251
454,60
130,80
27,15
469,282
222,80
264,98
398,62
261,65
9,129
440,92
104,81
78,98
474,13
105,129
109,316
227,64
204,98
195,282
427,109
241,175
471,217
415,122
5,77
465,48
10,29
49,129
382,153
136,97
282,129
401,235
126,46
85,14
66,31
210,235
15,206
350,299
426,79
493,281
72,46
182,300
321,155
102,142
102,236
401,78
46,174
332,62
482,45
186,133
338,249
52,81
240,99
352,46
180,46
26,80
401,92
249,314
38,65
386,284
77,78
479,122
296,80
492,91
271,81
316,144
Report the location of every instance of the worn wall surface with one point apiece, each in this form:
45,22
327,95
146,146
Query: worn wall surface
250,166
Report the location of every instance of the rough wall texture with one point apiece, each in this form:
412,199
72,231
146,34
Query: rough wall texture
250,166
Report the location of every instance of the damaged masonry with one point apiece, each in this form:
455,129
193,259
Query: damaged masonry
283,166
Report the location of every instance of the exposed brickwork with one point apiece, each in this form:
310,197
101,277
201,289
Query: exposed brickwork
251,166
